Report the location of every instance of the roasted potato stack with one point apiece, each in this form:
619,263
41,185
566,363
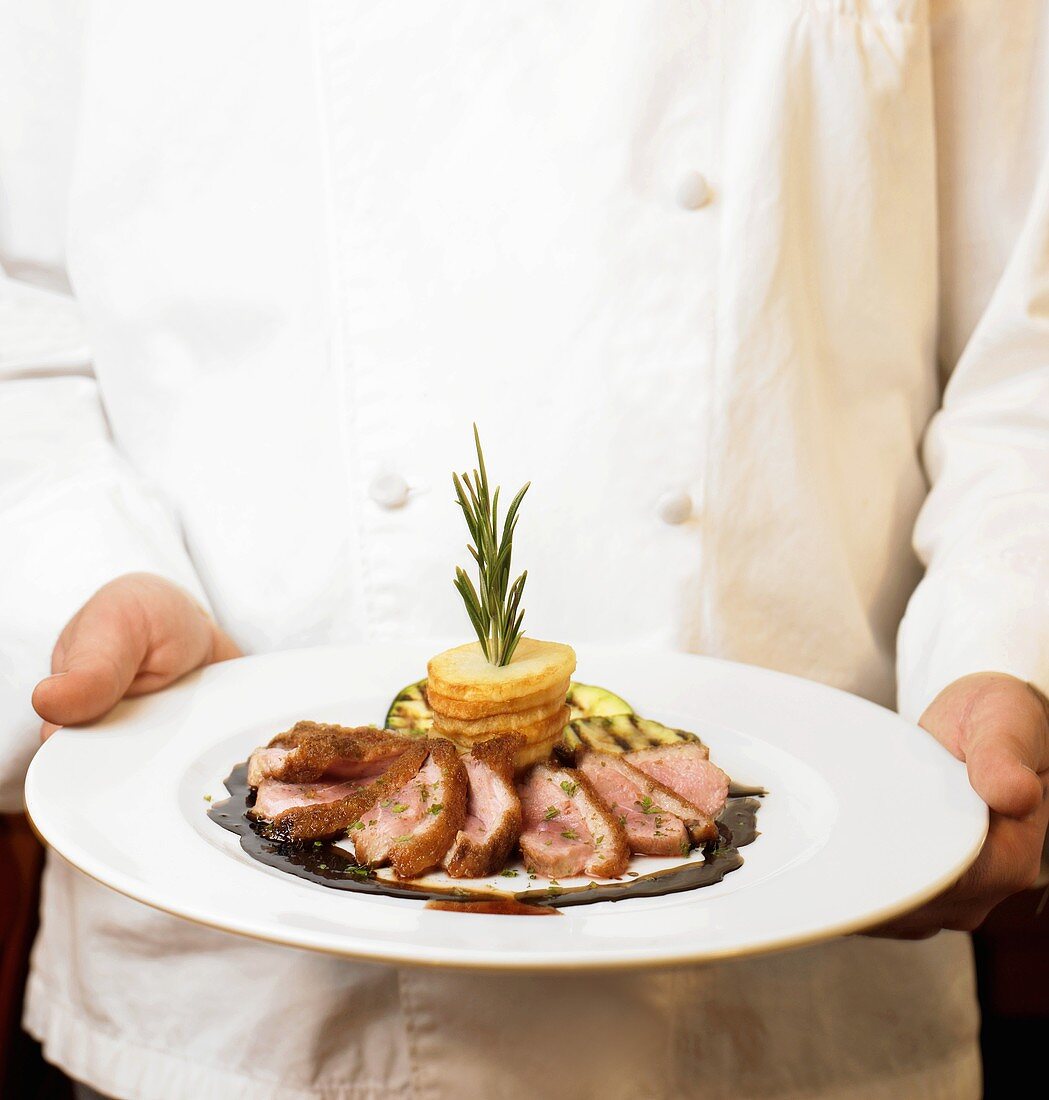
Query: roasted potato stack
473,700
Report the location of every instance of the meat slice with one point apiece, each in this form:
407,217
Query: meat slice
493,810
311,750
318,817
413,824
266,763
567,830
274,797
686,770
657,821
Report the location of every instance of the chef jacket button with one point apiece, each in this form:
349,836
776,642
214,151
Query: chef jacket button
693,192
674,507
389,490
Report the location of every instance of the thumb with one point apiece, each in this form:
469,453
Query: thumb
135,635
1006,745
1001,774
95,662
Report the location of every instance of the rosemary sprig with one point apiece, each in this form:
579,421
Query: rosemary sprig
494,606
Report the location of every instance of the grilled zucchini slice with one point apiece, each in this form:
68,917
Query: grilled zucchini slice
621,733
588,701
410,713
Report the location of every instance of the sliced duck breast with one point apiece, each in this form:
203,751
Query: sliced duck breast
566,829
413,824
657,821
274,797
493,810
685,768
310,750
266,763
313,816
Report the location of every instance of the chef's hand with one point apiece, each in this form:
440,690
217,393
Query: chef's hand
999,726
134,636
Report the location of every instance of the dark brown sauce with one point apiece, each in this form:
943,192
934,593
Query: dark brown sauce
320,861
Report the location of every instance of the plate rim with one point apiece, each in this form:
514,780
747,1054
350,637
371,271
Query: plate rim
768,947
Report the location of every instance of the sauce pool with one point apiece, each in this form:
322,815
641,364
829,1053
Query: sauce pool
324,863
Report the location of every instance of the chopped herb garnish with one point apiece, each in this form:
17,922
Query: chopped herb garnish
355,825
436,808
551,812
402,839
318,843
398,808
569,834
646,806
600,839
569,787
508,873
207,798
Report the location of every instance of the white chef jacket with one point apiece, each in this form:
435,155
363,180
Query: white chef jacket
697,270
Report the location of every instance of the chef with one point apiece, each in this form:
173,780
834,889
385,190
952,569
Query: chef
756,294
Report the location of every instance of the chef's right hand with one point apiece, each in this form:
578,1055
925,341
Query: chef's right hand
134,636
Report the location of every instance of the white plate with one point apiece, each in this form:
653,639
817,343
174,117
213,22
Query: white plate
866,816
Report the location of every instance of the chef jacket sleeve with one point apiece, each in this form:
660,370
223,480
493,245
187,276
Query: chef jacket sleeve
73,513
983,533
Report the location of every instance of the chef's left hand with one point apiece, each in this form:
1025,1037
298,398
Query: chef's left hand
999,726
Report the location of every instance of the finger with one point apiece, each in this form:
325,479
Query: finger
98,657
1001,778
918,924
1008,863
46,729
1006,741
904,930
223,648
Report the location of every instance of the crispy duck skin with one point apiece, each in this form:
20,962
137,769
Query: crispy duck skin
493,811
412,825
658,821
310,750
567,829
320,820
